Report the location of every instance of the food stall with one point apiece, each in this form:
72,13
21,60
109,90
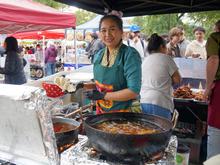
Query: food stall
193,111
28,18
82,145
29,115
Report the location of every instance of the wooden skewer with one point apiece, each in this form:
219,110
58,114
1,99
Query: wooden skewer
79,110
73,113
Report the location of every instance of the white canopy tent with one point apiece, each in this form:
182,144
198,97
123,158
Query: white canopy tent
94,24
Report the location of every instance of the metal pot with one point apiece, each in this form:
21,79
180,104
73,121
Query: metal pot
124,146
67,137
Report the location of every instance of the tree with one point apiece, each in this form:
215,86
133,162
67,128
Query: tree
83,16
205,19
160,24
163,23
51,3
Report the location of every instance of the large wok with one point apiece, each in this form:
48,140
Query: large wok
126,147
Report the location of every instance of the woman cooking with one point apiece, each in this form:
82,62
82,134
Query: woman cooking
117,70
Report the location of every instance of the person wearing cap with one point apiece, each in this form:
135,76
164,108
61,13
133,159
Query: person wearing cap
94,46
136,41
196,49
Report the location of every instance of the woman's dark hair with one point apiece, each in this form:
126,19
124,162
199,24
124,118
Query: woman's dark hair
201,29
115,18
11,44
155,42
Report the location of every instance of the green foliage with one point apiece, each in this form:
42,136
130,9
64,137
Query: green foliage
160,24
205,19
83,16
51,3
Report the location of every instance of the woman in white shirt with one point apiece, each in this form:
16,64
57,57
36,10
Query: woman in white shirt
196,49
159,73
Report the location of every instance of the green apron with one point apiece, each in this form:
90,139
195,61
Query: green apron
109,79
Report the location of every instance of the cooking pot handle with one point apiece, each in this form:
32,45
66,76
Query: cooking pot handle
175,118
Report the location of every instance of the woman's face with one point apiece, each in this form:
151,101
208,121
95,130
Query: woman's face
199,35
110,33
176,39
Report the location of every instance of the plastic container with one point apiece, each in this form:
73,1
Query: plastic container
182,155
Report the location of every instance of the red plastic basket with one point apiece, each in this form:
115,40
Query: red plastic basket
52,90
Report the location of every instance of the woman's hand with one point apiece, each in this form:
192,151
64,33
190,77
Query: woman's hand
195,55
95,95
207,94
121,95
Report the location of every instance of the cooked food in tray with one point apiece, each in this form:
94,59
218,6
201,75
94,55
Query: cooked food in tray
184,92
198,95
127,127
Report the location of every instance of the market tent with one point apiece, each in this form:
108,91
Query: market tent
94,24
40,35
26,15
145,7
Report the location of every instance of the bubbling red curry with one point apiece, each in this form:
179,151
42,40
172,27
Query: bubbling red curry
127,127
63,127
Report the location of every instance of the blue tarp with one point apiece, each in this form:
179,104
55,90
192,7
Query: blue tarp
76,66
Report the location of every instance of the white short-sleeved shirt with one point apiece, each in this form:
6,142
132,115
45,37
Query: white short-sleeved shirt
196,47
142,49
156,88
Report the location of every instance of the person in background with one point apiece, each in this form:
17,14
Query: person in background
212,91
165,37
94,46
39,54
156,90
13,70
60,53
173,49
28,50
21,53
117,70
50,58
32,49
2,50
196,49
183,42
136,41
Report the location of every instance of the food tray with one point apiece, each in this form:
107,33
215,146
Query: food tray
184,99
200,102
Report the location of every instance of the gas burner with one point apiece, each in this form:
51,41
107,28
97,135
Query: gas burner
84,153
138,159
66,146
